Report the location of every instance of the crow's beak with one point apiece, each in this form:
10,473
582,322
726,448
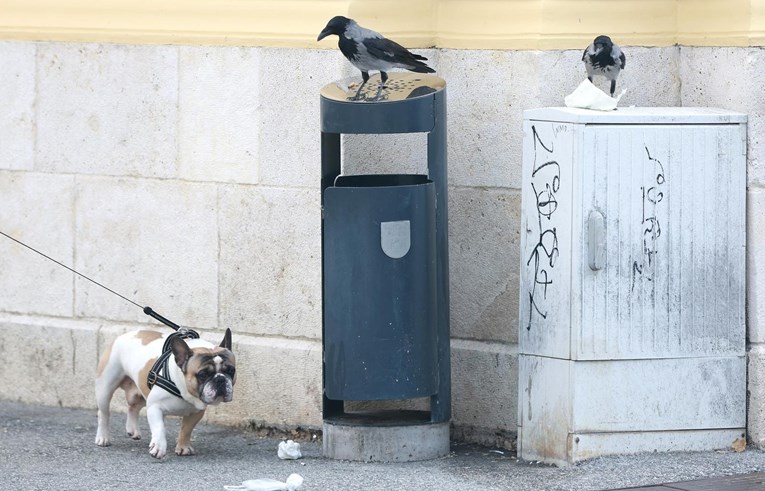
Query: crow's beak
323,34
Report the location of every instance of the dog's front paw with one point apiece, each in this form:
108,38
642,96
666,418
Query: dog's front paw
157,449
102,441
185,450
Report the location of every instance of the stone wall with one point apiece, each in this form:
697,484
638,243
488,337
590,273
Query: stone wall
187,178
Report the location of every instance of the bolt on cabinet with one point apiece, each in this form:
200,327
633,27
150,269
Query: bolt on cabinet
632,334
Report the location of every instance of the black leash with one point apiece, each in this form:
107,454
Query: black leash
146,310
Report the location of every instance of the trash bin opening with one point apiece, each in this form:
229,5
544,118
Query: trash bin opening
381,180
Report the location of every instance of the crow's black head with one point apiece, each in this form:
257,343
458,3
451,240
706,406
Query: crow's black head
336,26
603,43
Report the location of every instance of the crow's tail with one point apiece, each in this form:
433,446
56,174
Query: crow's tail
420,67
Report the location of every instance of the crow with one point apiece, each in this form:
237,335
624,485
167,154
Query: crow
605,58
369,50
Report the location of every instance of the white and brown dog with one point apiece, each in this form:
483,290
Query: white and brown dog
196,374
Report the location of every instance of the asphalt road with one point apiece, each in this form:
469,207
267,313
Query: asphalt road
43,448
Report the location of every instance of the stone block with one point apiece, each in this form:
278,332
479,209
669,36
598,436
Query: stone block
405,153
651,77
756,395
484,228
37,210
155,242
107,109
755,265
707,81
270,261
63,359
481,126
278,384
17,99
484,392
290,150
219,114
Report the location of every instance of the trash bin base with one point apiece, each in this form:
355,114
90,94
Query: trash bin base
385,436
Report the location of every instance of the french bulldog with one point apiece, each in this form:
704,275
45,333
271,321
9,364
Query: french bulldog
203,374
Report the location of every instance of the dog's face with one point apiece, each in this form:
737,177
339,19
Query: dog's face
209,373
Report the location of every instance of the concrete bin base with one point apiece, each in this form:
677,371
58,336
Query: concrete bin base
385,436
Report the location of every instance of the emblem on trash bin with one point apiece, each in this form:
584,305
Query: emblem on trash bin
395,238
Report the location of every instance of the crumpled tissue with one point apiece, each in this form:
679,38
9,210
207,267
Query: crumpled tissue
294,483
289,450
588,96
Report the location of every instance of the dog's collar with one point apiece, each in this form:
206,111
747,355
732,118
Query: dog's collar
160,373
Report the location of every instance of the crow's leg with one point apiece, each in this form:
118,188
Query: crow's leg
383,79
613,87
365,76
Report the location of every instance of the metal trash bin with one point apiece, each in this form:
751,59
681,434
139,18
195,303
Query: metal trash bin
385,281
380,287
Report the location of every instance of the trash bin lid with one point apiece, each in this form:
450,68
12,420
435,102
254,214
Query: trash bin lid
400,86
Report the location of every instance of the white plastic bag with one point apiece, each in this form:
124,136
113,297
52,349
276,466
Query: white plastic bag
259,485
294,483
289,450
587,96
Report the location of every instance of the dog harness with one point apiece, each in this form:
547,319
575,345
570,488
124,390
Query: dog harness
159,373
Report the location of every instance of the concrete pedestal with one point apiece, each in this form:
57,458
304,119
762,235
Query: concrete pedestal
385,436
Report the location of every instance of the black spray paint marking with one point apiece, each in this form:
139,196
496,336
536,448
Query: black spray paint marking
545,183
651,227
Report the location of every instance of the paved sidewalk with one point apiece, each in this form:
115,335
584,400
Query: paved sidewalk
44,448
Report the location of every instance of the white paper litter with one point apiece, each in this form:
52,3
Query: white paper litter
289,450
588,96
294,483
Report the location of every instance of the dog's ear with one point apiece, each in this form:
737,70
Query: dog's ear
181,351
226,343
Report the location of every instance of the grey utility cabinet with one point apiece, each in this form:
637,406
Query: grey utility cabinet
632,334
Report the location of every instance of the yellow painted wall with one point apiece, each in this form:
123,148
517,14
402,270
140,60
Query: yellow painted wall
482,24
